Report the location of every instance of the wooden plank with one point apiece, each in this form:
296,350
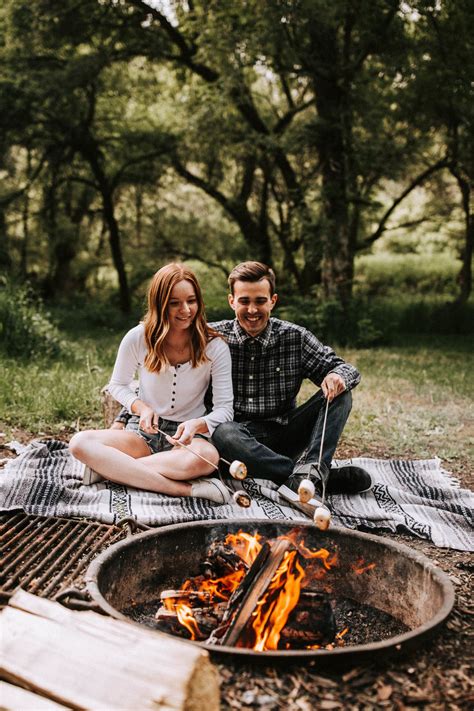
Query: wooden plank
261,574
84,660
13,698
107,627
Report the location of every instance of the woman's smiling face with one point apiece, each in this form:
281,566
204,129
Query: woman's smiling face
182,305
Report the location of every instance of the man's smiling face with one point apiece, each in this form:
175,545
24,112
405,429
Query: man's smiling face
253,304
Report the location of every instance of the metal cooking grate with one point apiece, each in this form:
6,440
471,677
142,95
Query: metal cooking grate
47,555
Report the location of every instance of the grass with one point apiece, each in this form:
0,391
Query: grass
414,400
50,396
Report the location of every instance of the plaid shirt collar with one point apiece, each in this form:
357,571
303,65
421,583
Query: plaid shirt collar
263,338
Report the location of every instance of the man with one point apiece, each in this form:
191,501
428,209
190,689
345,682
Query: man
270,360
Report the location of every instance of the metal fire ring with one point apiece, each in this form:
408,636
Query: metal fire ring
339,656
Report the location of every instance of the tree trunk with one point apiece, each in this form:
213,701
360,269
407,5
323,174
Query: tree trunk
337,256
255,235
92,155
5,259
465,274
25,217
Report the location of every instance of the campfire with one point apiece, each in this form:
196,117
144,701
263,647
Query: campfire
275,590
257,594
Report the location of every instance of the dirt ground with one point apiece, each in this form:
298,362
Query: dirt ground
436,676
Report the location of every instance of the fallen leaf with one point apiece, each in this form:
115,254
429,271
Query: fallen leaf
384,692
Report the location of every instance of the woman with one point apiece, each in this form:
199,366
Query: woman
176,355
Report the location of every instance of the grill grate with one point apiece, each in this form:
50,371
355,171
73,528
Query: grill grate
47,555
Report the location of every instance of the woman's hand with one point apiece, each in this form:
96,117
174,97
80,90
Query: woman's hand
186,431
148,419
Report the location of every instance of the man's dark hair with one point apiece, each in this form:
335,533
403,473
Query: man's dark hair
252,271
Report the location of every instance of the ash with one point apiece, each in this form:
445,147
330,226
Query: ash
366,623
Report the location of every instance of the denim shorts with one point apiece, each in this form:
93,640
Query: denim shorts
156,442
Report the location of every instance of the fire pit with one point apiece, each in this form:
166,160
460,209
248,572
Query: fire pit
402,586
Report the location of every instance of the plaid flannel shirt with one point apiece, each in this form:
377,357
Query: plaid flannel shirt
267,371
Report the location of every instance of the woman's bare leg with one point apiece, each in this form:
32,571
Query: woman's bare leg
118,456
180,464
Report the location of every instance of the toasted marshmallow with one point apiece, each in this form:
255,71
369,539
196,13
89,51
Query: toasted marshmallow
242,499
238,470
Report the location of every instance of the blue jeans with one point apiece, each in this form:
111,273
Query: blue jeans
270,449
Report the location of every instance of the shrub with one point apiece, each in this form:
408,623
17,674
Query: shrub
375,322
26,329
420,275
359,325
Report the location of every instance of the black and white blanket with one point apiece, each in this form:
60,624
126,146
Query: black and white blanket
414,496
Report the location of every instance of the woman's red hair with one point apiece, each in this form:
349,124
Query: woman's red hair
156,321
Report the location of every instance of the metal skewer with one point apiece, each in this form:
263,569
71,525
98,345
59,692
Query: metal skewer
322,515
306,489
186,446
325,475
240,497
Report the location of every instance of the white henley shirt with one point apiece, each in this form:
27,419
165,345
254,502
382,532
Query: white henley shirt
177,393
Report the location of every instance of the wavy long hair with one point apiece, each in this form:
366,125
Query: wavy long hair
156,321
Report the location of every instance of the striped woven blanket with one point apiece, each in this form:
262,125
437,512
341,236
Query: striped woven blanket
418,497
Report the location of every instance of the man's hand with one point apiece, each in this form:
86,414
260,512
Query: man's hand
186,431
332,386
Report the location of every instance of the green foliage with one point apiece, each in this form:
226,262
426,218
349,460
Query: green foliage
113,125
26,329
359,325
375,322
415,274
96,318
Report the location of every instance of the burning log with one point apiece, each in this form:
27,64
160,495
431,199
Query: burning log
222,559
258,605
253,586
206,618
312,622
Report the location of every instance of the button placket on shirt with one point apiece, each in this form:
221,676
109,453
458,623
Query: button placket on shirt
251,373
173,391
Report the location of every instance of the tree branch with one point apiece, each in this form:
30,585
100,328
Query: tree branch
443,163
184,254
288,117
178,40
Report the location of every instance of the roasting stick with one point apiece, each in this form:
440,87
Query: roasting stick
237,470
306,490
322,515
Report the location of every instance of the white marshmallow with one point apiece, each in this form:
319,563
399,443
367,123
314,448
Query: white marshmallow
322,518
306,490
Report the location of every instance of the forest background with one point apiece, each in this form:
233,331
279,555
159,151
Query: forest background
333,141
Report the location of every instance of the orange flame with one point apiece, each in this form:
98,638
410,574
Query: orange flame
246,545
281,597
361,567
185,616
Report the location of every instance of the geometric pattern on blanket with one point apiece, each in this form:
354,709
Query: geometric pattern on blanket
415,496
